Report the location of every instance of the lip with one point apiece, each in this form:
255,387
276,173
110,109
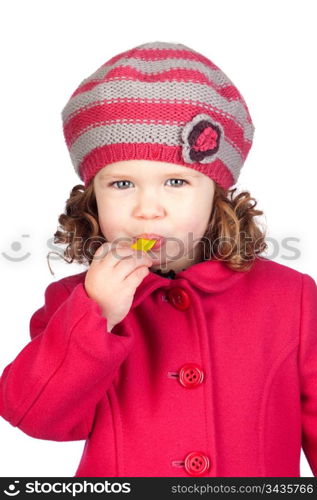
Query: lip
160,240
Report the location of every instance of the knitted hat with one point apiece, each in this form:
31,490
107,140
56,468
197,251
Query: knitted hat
159,101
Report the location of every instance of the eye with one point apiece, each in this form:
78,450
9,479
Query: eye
116,182
179,185
175,185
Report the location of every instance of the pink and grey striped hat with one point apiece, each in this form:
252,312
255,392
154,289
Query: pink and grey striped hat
159,101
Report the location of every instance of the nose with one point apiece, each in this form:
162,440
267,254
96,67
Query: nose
149,207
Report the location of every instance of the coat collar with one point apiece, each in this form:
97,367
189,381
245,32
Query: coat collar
210,276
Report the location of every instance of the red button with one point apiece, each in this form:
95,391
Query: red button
196,463
178,298
191,375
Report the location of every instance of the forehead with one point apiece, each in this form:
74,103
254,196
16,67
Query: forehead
135,167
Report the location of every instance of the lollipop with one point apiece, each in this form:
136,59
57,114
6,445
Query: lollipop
143,244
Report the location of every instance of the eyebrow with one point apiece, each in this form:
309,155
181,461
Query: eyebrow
171,174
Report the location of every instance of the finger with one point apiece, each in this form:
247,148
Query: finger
111,255
110,248
123,249
131,262
134,279
100,253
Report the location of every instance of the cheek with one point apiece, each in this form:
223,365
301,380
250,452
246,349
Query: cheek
203,210
193,220
111,220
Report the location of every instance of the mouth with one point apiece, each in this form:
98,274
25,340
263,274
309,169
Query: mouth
160,240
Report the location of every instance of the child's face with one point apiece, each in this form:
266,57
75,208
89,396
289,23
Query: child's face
150,200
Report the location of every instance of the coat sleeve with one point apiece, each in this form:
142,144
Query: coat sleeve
51,389
308,370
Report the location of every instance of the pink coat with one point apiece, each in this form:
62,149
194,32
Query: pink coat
213,373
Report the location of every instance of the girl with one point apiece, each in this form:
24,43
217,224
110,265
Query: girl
198,357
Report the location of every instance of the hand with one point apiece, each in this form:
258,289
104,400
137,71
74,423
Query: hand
113,277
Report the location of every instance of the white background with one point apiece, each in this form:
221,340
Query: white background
47,48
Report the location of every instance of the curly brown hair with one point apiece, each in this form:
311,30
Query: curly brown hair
232,234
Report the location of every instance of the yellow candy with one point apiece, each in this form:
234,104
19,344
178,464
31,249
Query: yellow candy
143,244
